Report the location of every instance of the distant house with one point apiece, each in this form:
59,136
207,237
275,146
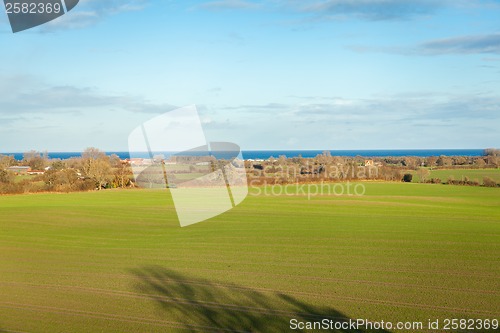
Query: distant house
140,161
36,172
369,163
135,161
22,170
159,158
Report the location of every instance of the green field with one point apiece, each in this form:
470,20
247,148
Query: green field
459,174
117,261
20,178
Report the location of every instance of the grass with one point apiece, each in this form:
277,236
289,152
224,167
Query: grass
20,178
458,174
117,261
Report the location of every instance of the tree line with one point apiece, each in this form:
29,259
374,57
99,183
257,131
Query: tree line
95,170
325,167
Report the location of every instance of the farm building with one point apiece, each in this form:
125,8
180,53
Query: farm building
19,169
36,172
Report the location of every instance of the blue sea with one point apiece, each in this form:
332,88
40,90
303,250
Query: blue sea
265,154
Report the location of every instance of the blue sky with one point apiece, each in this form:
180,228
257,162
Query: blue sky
278,74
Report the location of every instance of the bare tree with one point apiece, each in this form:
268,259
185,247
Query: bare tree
35,160
410,162
92,153
488,182
96,166
491,152
431,161
282,160
479,162
6,161
115,161
423,174
444,161
123,174
6,177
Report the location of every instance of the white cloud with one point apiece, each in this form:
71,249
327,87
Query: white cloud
374,10
230,4
90,12
413,120
487,44
464,45
28,95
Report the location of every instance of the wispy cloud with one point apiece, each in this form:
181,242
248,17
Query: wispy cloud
401,108
373,10
65,117
8,120
230,4
90,12
414,120
316,10
258,107
479,44
368,10
36,98
486,44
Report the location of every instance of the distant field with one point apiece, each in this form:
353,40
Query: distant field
457,174
19,178
117,261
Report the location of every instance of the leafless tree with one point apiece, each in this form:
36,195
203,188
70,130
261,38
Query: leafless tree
6,161
96,165
122,173
423,174
35,160
431,161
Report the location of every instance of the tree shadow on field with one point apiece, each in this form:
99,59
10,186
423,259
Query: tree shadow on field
203,305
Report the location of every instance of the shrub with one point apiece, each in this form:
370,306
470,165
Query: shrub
423,174
488,182
6,177
407,177
11,188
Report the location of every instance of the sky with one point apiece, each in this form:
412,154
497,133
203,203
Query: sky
277,74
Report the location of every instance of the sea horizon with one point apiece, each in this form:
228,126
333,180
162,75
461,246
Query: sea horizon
266,154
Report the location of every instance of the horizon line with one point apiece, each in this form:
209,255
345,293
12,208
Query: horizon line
248,150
